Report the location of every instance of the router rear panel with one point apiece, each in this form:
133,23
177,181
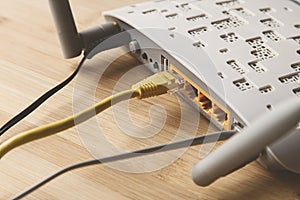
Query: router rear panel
253,47
240,57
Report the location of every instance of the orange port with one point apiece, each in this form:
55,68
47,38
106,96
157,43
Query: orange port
204,100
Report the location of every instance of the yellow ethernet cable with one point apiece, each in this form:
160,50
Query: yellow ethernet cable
154,85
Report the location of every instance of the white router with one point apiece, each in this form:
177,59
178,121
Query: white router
238,59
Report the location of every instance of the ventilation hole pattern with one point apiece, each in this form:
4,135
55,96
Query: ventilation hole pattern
230,37
228,3
236,66
197,18
258,67
270,23
265,10
184,7
297,91
261,52
198,31
255,42
267,89
290,78
296,67
149,11
199,44
243,84
172,16
242,11
230,22
297,39
271,35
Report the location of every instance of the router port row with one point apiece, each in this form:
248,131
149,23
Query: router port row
205,102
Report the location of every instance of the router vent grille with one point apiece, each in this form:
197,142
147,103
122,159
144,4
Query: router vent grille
272,36
261,52
199,44
172,16
184,7
297,91
197,17
228,3
265,10
296,67
290,78
243,84
267,89
270,23
230,37
198,31
150,11
230,22
243,11
256,66
236,66
297,39
243,37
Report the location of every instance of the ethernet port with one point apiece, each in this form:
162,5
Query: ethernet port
219,114
190,90
204,102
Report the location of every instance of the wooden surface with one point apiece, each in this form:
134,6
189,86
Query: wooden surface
31,63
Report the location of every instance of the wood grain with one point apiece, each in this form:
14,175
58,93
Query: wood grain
31,63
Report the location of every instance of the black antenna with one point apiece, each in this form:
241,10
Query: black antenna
72,42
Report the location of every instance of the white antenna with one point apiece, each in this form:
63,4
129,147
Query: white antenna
246,146
71,41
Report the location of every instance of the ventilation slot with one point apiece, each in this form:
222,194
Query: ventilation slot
270,23
199,44
290,78
242,84
198,31
266,89
227,23
223,51
255,42
230,37
265,10
297,91
271,35
237,67
257,67
296,67
149,11
242,11
225,4
263,53
172,16
197,18
184,7
260,51
221,75
297,39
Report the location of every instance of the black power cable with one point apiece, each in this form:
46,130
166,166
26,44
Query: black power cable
40,100
204,139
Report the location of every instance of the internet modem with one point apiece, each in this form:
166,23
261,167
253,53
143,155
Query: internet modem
238,59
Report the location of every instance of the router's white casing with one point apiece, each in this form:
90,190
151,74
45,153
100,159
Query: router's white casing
243,54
